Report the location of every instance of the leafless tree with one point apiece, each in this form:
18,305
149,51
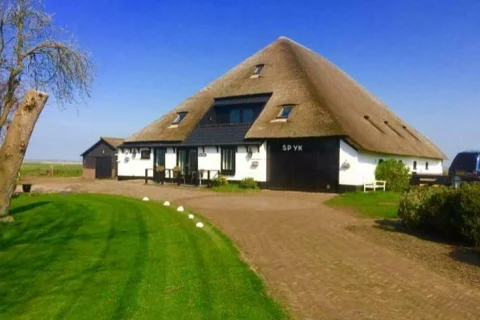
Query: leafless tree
35,57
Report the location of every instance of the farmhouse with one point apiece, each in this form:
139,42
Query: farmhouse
286,117
100,160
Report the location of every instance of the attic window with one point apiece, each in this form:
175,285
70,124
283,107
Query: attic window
285,112
179,118
258,69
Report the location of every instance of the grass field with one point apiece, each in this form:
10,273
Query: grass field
105,257
29,169
372,204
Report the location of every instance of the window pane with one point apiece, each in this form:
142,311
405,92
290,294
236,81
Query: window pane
182,158
179,117
235,116
247,116
228,159
285,112
145,154
258,69
466,162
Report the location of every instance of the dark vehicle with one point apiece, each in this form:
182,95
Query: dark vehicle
465,168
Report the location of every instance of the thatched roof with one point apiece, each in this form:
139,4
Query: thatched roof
327,103
113,142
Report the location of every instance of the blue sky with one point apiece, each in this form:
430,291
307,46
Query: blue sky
419,57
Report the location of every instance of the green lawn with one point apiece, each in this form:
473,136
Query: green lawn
105,257
59,169
372,204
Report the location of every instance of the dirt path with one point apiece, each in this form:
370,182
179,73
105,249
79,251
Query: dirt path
310,259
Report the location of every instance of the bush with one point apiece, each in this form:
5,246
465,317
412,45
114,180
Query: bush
453,214
219,180
395,173
411,207
248,183
468,208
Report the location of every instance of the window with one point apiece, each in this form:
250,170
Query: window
235,116
465,161
248,116
145,154
285,112
258,69
426,165
228,160
414,165
380,161
179,118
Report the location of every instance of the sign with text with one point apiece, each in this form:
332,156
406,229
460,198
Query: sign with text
292,147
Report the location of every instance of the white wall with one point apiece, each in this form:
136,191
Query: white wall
170,158
134,166
363,165
350,156
244,164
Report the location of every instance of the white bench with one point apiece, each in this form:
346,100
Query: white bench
376,184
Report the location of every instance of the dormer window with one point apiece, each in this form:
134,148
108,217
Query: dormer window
179,118
285,112
258,69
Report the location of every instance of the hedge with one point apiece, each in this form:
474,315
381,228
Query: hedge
453,214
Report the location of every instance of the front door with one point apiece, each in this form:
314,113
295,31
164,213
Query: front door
187,160
159,168
193,165
103,167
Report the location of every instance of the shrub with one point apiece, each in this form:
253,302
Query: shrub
467,207
410,207
395,173
219,180
248,183
453,214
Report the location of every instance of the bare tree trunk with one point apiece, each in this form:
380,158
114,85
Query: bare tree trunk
15,144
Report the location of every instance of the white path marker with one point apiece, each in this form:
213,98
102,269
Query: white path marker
199,225
190,216
180,209
166,204
145,199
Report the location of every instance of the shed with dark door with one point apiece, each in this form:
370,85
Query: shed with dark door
100,160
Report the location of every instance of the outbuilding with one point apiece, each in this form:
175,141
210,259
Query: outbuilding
287,118
100,160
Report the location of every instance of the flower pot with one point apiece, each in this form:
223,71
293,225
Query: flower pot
26,187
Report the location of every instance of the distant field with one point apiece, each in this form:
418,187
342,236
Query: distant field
44,169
